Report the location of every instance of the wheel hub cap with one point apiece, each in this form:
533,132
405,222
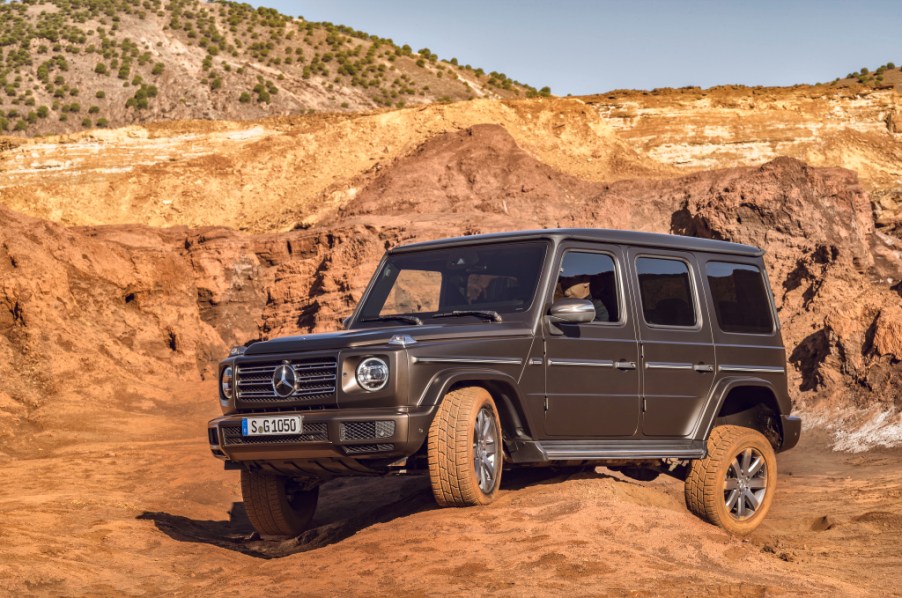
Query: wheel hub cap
745,484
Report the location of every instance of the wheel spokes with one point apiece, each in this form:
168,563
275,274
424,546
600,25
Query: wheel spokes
485,451
756,465
745,483
746,461
751,499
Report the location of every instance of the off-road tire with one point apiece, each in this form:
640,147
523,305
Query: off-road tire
451,452
275,505
705,482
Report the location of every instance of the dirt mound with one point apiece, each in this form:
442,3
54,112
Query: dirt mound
134,515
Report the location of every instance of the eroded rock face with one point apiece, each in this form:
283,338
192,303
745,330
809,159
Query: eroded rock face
116,311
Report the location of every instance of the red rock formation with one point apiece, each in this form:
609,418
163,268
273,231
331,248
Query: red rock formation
109,314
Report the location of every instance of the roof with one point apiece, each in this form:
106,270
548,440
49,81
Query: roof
622,237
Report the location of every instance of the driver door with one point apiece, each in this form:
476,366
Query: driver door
591,373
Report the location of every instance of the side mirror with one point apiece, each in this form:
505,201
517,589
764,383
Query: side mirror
345,322
572,311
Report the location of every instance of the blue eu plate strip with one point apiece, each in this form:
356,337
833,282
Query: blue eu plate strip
244,427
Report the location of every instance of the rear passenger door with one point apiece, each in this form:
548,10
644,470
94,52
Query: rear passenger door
676,344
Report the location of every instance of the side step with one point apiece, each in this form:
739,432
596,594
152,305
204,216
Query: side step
574,450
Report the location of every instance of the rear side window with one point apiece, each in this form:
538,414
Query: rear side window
740,298
666,291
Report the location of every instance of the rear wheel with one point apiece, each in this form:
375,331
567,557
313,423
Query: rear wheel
733,487
277,506
465,454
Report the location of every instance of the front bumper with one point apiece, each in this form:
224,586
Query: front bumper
338,439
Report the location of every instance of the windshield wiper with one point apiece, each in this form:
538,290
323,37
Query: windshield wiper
398,317
488,314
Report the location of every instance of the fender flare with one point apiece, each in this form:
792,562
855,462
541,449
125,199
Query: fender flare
719,395
505,385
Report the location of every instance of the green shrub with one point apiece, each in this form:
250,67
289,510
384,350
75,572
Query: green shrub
102,122
245,97
157,69
94,110
86,123
100,94
43,112
101,69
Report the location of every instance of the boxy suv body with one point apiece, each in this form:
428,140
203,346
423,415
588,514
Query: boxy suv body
572,348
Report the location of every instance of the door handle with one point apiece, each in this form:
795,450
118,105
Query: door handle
625,365
703,368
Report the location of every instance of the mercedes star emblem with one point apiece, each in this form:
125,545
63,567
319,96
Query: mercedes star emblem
284,380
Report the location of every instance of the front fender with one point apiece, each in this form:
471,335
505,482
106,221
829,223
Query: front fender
503,387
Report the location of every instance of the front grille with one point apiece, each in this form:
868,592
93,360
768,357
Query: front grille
368,448
315,381
313,432
367,430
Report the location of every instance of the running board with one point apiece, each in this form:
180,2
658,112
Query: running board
591,450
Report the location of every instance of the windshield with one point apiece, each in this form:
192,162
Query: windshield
498,277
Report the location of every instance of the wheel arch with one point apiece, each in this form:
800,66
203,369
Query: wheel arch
501,386
750,403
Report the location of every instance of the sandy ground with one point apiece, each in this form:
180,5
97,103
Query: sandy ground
104,514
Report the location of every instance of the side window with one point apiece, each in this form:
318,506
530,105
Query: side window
740,298
413,291
591,276
666,291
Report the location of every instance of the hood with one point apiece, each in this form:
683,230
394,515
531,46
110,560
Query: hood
363,337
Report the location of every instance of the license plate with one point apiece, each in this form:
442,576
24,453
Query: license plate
272,425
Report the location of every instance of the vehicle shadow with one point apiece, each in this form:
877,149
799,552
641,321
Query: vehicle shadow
346,506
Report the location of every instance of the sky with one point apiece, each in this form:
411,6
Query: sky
584,46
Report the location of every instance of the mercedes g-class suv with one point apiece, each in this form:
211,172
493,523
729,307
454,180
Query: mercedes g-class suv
641,352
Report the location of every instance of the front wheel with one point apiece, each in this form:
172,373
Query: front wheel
733,487
277,506
465,454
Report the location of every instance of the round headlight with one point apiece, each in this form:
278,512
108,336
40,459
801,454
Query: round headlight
372,374
225,382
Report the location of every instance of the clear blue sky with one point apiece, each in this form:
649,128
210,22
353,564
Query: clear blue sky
583,47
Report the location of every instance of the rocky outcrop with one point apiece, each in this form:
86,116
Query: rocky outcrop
115,311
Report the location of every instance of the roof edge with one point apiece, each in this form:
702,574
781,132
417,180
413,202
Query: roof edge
625,237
